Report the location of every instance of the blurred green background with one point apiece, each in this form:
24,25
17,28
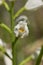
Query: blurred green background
36,30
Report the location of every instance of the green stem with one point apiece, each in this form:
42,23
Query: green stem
39,57
14,41
11,20
14,56
26,60
14,52
19,12
11,15
6,27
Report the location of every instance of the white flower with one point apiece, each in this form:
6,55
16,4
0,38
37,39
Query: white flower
33,4
36,53
6,59
22,17
21,29
2,43
1,2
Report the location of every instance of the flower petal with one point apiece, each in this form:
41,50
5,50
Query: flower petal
32,4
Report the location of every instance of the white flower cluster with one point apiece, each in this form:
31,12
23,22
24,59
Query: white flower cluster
21,29
33,4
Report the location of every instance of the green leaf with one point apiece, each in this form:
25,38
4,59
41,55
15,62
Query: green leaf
18,13
6,6
6,27
26,60
39,57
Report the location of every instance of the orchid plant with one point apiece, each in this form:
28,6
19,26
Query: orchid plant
20,30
